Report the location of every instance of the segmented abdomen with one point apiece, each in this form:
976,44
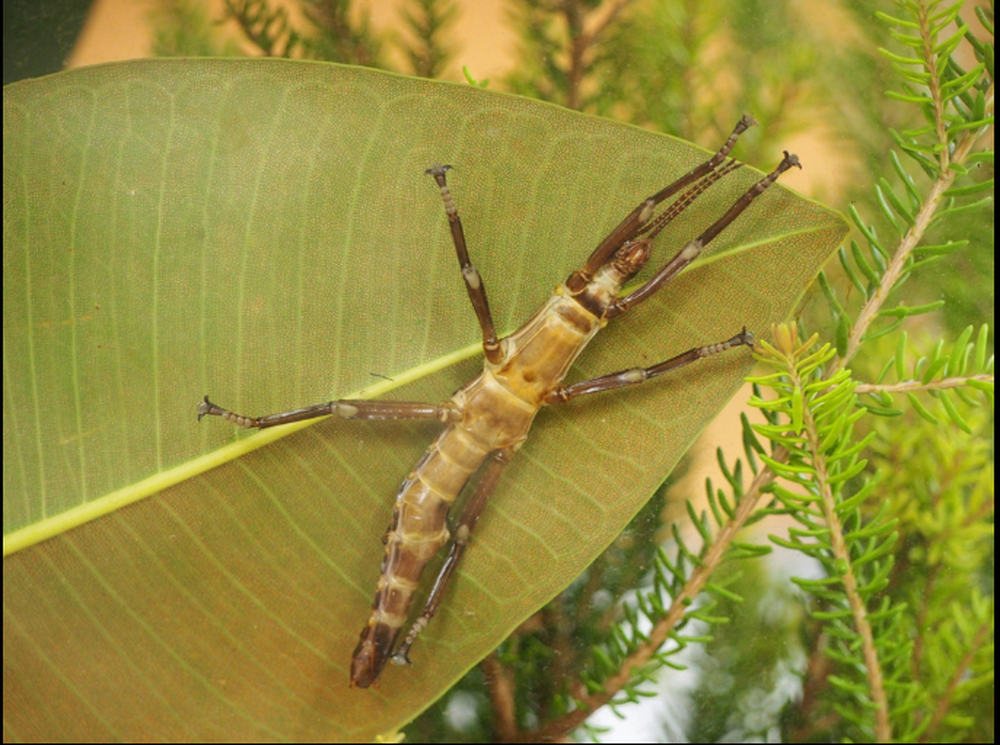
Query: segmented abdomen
419,528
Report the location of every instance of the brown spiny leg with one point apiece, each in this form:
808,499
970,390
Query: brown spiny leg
642,374
498,460
345,408
629,227
473,280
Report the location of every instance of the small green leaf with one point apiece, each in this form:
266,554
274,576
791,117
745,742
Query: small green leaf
855,500
949,45
471,80
797,425
964,191
862,263
903,311
809,584
830,294
982,385
919,408
900,59
866,230
963,209
897,203
959,351
907,180
849,473
892,21
982,338
911,41
843,335
941,250
901,357
953,413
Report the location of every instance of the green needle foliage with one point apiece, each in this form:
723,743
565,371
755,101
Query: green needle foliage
874,464
429,20
322,30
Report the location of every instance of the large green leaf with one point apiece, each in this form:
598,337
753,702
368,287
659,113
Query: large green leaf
262,231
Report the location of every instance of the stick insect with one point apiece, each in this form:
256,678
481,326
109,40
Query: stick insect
487,421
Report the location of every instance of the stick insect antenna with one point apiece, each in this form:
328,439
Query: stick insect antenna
693,249
685,200
638,217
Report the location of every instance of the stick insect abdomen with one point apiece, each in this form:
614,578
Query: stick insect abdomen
418,529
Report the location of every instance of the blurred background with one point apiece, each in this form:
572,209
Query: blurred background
808,70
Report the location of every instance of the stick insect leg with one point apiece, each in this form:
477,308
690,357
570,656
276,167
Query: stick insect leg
473,281
470,516
694,248
638,217
641,374
345,408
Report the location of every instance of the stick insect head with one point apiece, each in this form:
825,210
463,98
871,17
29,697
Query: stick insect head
601,291
630,259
